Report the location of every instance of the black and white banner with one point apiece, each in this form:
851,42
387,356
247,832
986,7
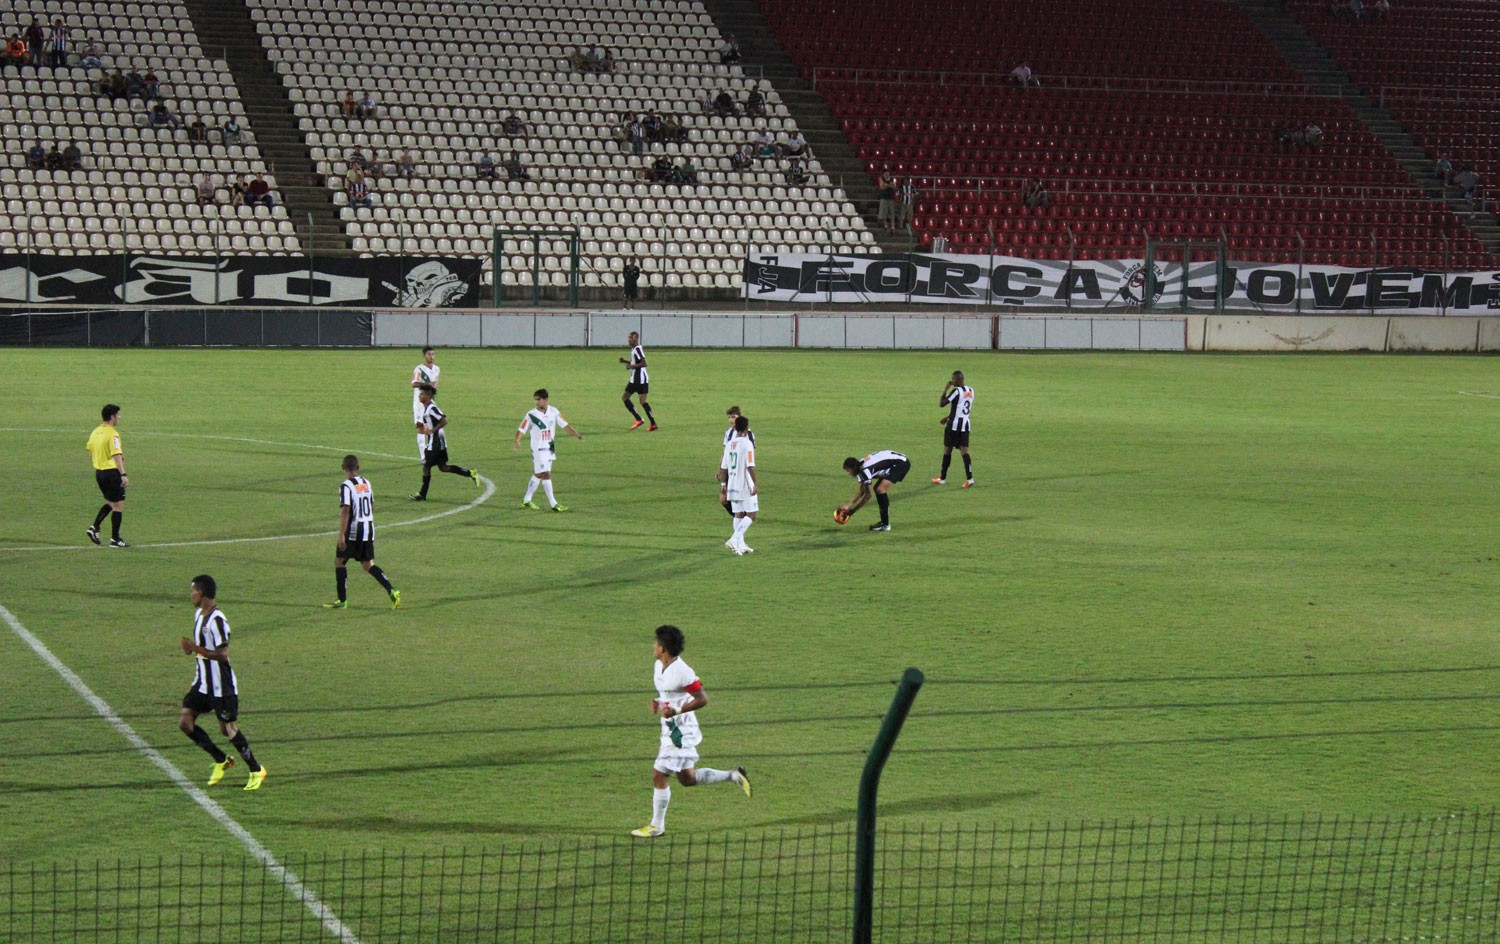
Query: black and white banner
952,279
385,282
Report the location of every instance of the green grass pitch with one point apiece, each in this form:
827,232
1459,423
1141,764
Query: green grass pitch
1184,585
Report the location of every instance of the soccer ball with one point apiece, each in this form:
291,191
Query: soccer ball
840,515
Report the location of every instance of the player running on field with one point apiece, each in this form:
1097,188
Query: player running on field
679,695
215,687
434,423
357,536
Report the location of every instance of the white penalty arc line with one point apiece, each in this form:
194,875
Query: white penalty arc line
278,871
484,496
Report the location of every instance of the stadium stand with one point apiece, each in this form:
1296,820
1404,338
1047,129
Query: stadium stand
1436,65
1190,130
137,188
447,76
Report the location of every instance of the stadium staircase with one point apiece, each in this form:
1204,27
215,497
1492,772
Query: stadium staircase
226,25
1324,75
763,53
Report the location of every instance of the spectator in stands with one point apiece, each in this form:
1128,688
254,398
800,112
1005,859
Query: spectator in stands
672,130
258,192
729,51
514,126
607,64
356,157
1357,9
765,148
906,204
1380,9
796,173
652,125
795,146
15,51
90,59
579,60
661,170
630,280
358,189
406,165
113,87
1035,195
365,107
514,169
198,131
36,42
484,168
208,192
36,157
55,158
57,43
1442,169
72,157
1467,180
348,104
134,85
150,86
724,105
685,173
755,104
239,191
636,131
374,167
163,117
743,157
231,132
885,189
1312,135
1025,77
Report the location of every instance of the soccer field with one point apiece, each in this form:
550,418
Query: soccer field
1183,585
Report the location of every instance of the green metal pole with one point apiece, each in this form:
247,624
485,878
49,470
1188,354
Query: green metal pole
496,269
864,817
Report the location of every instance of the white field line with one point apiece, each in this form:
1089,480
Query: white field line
278,871
484,496
1476,393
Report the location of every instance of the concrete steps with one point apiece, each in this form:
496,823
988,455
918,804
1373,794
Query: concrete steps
225,25
1323,75
764,56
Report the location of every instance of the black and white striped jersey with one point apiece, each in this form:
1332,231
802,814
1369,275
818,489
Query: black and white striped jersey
215,678
356,494
878,465
960,401
432,416
638,373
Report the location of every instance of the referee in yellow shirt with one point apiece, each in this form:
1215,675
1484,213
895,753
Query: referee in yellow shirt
109,471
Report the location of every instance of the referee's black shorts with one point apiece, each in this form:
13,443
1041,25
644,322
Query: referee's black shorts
110,484
955,437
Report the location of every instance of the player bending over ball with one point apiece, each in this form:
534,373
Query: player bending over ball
875,473
679,695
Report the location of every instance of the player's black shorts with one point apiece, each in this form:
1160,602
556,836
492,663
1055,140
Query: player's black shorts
955,437
226,709
643,389
435,457
110,485
355,551
898,471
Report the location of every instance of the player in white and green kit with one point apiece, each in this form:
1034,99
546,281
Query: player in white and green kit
424,373
543,421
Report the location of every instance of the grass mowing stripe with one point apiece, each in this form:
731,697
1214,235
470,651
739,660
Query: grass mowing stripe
489,490
285,876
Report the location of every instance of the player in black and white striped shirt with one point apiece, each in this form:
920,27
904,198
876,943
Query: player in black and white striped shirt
215,687
959,400
357,535
875,473
639,384
434,422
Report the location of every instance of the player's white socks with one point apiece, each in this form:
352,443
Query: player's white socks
547,490
531,488
659,800
707,775
741,525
